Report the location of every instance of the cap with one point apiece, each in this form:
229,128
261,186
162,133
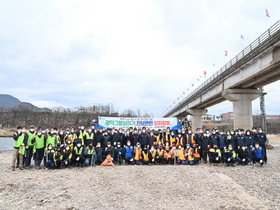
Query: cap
31,126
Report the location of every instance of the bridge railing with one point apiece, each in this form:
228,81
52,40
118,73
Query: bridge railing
246,51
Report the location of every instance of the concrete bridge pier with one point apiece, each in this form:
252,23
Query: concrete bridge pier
242,106
196,117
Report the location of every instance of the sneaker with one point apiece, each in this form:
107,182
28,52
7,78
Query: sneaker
218,164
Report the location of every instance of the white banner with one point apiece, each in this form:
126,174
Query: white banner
127,122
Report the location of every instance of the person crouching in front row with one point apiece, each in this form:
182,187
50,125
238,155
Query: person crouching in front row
215,155
189,155
196,154
243,156
229,156
78,155
50,155
146,156
257,154
181,156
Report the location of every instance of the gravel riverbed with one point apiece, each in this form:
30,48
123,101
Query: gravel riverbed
143,187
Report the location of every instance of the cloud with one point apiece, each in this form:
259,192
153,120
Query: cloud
136,55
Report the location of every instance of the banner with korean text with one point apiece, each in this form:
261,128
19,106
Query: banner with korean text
127,122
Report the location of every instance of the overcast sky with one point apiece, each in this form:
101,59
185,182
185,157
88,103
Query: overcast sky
135,54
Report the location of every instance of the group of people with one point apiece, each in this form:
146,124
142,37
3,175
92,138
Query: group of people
69,147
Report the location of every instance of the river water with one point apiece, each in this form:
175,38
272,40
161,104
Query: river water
6,143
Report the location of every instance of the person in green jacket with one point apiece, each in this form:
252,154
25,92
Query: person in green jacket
52,138
39,145
19,139
29,146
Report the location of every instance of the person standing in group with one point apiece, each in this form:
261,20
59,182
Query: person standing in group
52,138
249,144
190,138
144,138
231,139
88,137
152,139
205,145
19,139
240,139
29,146
223,141
39,146
261,138
214,139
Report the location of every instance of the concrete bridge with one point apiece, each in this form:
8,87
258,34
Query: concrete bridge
239,81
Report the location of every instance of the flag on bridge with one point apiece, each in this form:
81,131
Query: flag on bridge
184,93
174,102
178,98
266,13
198,79
205,72
242,37
192,85
226,53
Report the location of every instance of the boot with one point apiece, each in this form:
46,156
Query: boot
37,164
13,168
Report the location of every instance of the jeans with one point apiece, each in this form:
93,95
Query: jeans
28,156
189,162
49,164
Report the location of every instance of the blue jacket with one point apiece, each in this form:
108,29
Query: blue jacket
128,151
249,140
261,138
258,153
214,140
223,141
177,127
144,139
240,140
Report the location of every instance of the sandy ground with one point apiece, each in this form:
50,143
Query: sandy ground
143,187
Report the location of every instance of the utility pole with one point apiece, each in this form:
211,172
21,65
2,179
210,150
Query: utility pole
263,114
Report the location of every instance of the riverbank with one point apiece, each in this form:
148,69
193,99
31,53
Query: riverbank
142,187
7,132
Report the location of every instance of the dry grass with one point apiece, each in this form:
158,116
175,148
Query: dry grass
7,132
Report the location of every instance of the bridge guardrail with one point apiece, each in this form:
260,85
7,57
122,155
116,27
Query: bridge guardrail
262,39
